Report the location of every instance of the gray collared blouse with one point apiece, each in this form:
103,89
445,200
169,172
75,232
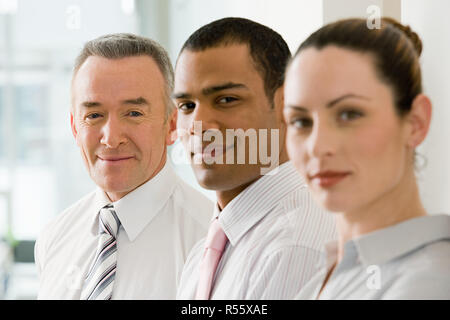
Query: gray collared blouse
409,260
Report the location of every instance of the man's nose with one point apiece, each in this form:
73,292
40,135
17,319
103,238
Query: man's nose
113,133
204,118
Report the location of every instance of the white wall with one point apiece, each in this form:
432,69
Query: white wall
430,20
53,24
294,20
334,10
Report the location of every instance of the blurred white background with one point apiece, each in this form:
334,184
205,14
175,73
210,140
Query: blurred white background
41,171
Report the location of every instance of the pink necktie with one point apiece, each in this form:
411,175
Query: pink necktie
215,243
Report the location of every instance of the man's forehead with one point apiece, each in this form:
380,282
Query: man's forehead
126,62
109,95
117,78
220,51
134,69
210,68
111,90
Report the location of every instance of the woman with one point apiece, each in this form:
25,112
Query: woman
355,113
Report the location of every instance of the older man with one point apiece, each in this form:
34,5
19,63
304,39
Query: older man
129,238
264,240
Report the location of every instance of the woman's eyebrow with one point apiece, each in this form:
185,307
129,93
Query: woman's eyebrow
345,96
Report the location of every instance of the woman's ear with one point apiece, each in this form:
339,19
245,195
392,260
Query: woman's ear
419,119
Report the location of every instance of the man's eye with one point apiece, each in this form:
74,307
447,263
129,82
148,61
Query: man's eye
135,113
186,106
226,100
348,115
93,116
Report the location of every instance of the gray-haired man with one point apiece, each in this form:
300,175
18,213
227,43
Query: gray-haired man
129,238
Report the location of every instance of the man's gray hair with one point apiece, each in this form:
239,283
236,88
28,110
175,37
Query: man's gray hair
122,45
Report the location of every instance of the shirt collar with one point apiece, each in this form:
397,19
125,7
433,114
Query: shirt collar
138,208
383,245
101,199
389,243
257,200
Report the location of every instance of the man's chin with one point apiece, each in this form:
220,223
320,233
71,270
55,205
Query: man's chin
222,177
210,176
118,186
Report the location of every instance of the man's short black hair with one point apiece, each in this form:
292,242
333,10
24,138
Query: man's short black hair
268,50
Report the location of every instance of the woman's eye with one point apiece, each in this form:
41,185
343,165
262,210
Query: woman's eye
186,106
349,115
301,123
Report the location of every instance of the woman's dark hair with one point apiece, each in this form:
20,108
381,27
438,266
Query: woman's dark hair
395,47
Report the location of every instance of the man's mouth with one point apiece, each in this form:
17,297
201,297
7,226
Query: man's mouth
212,151
114,159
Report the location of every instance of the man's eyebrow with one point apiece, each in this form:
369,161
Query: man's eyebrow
345,96
210,90
225,86
181,95
90,104
138,101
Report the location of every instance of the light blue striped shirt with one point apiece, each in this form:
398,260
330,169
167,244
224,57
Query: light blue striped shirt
409,260
276,234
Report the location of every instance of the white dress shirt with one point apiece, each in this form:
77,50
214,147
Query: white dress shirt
275,233
409,260
160,222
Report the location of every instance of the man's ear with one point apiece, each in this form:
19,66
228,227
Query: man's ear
72,125
171,136
419,119
278,100
279,105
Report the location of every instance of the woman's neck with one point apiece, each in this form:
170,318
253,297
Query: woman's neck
396,205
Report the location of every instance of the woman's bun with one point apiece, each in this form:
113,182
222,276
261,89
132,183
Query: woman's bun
412,36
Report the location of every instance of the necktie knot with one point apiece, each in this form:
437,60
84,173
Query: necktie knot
108,221
216,238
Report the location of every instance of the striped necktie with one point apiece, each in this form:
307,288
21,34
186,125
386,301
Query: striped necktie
99,281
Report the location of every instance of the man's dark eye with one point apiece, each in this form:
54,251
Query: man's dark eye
186,106
226,100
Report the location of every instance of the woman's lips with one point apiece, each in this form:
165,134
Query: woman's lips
328,179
